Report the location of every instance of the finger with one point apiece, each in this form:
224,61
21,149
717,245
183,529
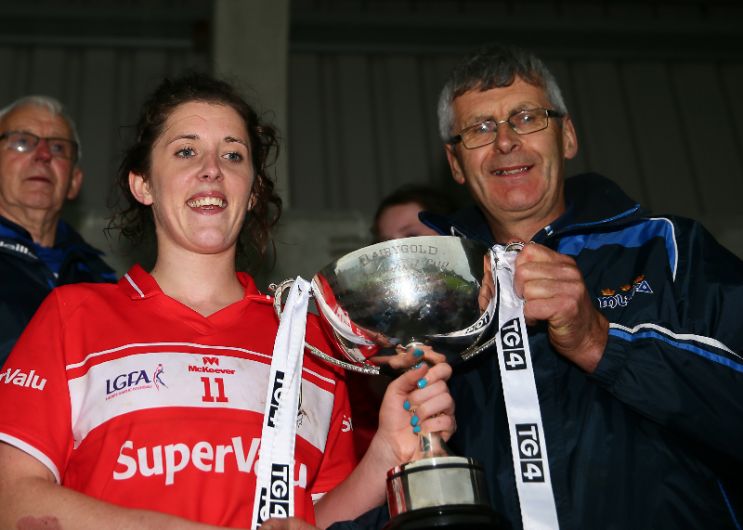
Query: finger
546,288
437,403
408,381
432,357
439,372
403,358
444,424
423,376
536,252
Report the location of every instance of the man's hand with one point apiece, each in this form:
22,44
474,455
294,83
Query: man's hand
554,291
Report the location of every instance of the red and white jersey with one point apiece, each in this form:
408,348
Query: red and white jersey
131,397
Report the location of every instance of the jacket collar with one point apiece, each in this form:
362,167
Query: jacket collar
591,200
66,240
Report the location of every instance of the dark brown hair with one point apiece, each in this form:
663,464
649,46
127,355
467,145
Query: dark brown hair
135,220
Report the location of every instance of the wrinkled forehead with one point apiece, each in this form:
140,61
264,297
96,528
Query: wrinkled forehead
483,102
37,120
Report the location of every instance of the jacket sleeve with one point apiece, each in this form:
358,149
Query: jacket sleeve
678,361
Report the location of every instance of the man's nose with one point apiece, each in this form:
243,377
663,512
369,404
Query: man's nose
506,139
42,151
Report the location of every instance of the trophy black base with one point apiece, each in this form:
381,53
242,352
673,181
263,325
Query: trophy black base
449,517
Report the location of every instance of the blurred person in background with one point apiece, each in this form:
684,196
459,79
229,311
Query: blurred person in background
396,217
397,213
39,172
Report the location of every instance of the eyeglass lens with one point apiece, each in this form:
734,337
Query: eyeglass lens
25,142
523,122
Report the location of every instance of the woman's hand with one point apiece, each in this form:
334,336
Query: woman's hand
418,401
408,356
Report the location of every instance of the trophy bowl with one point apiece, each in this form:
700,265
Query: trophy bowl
380,299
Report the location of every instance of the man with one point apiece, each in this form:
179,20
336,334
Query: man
633,322
39,155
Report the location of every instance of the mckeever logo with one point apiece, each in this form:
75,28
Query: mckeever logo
210,365
512,342
20,378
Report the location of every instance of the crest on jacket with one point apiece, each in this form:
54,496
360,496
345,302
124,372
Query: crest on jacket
610,298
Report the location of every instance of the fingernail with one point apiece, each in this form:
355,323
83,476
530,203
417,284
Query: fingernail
417,429
414,420
418,365
422,382
406,405
418,352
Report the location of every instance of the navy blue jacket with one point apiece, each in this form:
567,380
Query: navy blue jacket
26,279
653,439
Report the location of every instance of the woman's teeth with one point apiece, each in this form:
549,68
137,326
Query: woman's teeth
206,201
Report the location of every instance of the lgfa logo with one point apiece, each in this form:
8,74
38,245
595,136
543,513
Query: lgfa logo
20,378
135,380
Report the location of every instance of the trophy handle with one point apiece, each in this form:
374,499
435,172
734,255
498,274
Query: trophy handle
278,290
475,350
516,246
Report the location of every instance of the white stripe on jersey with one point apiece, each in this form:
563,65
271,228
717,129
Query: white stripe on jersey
150,380
31,450
208,347
134,285
159,345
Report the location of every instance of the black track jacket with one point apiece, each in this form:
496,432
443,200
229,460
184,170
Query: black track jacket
654,438
25,280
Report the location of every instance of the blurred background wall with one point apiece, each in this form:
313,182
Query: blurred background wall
655,88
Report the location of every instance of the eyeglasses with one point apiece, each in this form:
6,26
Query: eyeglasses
525,121
26,142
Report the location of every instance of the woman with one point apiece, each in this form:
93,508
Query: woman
141,405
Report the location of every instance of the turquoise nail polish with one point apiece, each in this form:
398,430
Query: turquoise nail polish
417,429
418,352
406,405
418,365
422,383
414,420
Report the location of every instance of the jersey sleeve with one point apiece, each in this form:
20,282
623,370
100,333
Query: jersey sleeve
339,457
36,415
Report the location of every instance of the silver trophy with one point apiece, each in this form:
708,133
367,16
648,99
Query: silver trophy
378,301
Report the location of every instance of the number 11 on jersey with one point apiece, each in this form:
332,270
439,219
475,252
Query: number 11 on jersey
213,390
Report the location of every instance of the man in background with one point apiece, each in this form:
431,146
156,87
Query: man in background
39,171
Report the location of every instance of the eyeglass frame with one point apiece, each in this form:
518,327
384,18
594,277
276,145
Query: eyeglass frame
74,158
549,113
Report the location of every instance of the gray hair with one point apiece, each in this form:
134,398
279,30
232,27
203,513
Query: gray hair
52,105
494,66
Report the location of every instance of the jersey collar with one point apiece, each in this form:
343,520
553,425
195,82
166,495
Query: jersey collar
139,284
